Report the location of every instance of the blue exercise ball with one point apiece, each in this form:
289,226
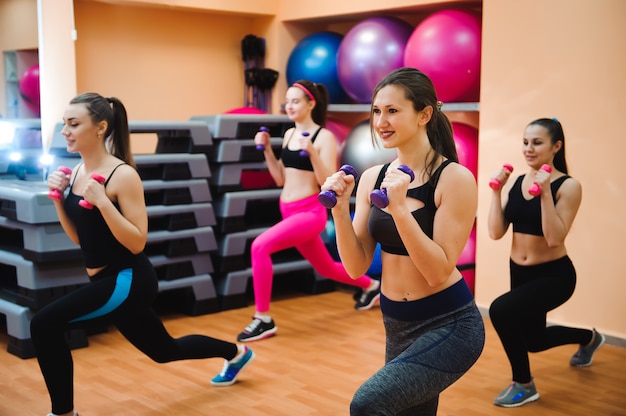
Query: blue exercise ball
315,59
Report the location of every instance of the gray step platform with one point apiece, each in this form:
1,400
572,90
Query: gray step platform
241,210
232,287
173,268
172,166
37,242
174,192
26,201
199,293
244,126
181,242
240,150
179,217
230,177
18,329
172,136
233,251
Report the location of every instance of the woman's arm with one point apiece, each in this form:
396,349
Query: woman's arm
275,166
59,181
129,225
556,220
457,200
323,155
354,243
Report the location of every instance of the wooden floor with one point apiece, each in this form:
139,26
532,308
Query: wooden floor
323,351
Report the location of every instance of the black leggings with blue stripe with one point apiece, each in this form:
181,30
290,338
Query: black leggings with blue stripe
121,297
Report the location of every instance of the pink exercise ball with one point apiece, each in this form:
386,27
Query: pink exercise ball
29,88
446,47
466,140
368,52
339,129
245,110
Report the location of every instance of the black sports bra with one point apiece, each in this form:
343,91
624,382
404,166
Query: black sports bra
292,158
525,214
381,225
99,246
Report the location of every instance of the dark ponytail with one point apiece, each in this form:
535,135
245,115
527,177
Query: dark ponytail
320,95
111,110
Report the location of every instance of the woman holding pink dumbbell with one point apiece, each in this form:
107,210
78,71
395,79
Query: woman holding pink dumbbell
105,213
541,205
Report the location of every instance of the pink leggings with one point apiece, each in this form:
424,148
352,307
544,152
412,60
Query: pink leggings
303,222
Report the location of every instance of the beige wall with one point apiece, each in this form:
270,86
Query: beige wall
564,59
561,58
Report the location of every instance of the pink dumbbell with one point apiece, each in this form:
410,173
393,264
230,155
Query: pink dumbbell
494,183
266,130
304,153
55,193
100,179
379,196
534,189
329,198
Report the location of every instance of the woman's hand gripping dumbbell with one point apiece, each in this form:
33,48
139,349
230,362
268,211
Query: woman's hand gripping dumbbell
305,136
535,188
57,194
263,131
328,198
379,196
496,183
83,202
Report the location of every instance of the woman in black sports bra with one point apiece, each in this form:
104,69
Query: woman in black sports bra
434,331
303,217
112,235
542,275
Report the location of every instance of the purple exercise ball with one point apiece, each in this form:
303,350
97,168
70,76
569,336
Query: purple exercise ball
446,46
368,52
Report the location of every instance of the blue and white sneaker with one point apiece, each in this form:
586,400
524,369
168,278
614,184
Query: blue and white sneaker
230,371
516,395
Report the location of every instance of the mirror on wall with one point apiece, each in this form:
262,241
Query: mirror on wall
19,82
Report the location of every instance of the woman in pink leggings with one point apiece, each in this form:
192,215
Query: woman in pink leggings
308,157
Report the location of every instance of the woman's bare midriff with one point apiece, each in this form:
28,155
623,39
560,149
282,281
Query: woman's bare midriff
300,184
528,249
413,286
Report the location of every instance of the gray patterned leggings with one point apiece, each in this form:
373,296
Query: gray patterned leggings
422,359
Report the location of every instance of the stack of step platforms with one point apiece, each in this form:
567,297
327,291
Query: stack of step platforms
245,199
38,262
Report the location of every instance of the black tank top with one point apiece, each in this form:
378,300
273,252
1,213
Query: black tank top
525,214
99,246
381,225
292,158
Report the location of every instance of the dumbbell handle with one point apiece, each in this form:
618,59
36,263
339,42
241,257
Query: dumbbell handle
304,153
535,189
329,198
379,196
494,183
55,193
266,130
100,179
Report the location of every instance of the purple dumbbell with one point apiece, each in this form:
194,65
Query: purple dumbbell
55,193
100,179
266,130
304,153
379,196
329,198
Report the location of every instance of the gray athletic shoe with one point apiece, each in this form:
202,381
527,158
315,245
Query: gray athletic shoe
516,395
584,355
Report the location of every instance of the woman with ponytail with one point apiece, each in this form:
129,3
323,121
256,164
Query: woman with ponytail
112,235
434,331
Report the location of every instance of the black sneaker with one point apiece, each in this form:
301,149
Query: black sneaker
257,330
367,300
